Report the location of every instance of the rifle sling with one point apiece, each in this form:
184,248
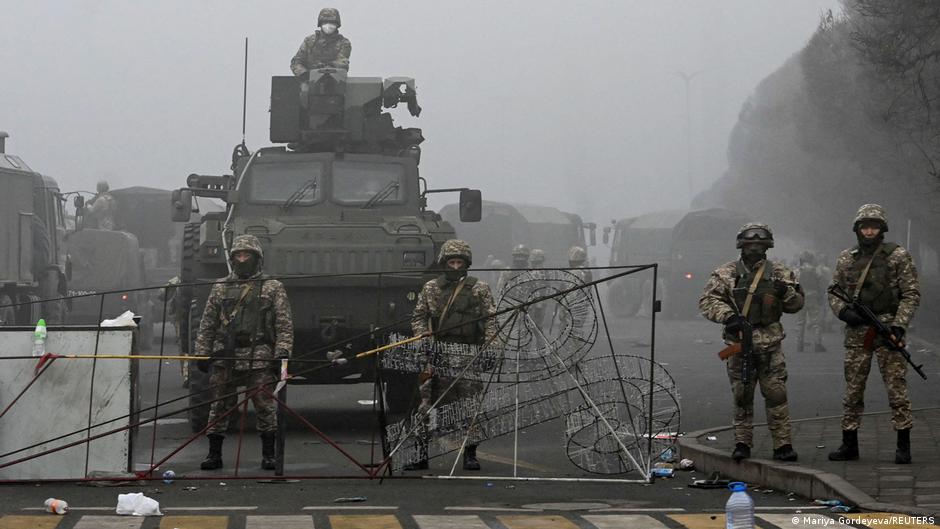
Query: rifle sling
448,305
751,289
861,278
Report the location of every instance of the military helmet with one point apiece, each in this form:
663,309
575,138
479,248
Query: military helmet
102,186
755,232
246,243
328,14
871,212
521,250
455,248
577,254
537,256
497,264
807,258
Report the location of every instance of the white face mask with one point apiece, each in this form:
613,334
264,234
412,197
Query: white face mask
329,29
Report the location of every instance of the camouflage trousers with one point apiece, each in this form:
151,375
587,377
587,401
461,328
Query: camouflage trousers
768,369
456,410
810,318
224,380
893,369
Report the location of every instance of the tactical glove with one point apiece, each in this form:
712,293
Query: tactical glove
203,365
850,316
734,324
780,288
898,333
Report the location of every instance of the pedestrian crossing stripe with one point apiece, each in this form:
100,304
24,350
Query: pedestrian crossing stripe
364,521
624,521
522,521
29,522
194,522
109,522
700,521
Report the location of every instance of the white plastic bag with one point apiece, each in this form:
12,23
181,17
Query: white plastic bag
136,504
124,320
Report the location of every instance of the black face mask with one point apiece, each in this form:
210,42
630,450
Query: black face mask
245,269
752,254
455,275
869,244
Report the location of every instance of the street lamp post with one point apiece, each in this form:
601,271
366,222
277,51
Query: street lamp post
687,78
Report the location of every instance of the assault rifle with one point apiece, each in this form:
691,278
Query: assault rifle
894,343
744,346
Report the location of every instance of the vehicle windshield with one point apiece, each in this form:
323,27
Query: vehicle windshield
278,182
360,182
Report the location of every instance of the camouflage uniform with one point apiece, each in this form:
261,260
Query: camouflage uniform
99,213
721,300
321,50
233,305
474,301
520,261
577,260
810,317
892,291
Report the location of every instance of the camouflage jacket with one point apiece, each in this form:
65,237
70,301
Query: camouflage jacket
717,301
99,213
470,305
321,51
902,277
212,329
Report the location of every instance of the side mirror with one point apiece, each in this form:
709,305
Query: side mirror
592,232
182,202
606,236
471,205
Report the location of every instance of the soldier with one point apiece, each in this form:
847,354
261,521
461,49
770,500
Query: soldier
811,316
537,258
100,210
168,296
450,307
520,261
326,48
577,259
756,290
881,276
248,317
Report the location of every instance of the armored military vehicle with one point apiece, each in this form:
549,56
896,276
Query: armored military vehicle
342,208
32,251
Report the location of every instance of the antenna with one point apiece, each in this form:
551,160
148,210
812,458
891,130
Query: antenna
245,91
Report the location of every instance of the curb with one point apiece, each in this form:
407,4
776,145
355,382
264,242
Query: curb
804,481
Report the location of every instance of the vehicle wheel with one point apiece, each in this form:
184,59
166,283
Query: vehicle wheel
52,311
7,314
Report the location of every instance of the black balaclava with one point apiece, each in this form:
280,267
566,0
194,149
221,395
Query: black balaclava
454,275
869,245
753,253
247,268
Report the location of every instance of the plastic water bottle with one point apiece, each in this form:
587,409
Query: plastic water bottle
739,510
39,338
56,506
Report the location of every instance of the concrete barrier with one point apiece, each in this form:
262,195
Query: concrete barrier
67,397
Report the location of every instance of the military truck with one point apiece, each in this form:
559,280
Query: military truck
106,261
688,245
342,208
33,265
505,225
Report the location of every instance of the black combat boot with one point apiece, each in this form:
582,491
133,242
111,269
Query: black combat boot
902,455
785,453
470,458
268,459
849,449
213,461
741,451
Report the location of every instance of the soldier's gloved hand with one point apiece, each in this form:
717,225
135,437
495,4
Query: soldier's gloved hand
850,316
281,354
780,288
734,324
203,365
898,333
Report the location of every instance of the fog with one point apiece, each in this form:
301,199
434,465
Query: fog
572,104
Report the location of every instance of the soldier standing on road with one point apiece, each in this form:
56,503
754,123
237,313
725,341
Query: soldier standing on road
247,317
880,275
756,290
811,316
326,48
536,258
99,213
577,260
456,308
520,261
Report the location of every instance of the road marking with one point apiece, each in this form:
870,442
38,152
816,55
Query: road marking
350,508
791,508
364,521
29,522
454,521
194,522
700,521
279,522
624,521
212,508
799,521
498,509
536,522
109,522
486,456
71,508
640,509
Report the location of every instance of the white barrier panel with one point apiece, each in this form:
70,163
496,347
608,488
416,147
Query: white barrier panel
58,403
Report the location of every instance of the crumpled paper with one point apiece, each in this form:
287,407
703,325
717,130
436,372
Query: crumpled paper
124,320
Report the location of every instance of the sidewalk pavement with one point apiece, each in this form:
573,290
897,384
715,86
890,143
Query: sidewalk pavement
873,483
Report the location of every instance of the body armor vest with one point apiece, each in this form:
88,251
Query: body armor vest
766,307
244,320
877,293
462,309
